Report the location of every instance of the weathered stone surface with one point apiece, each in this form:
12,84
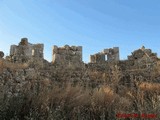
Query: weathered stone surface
24,41
67,55
111,54
142,54
1,54
97,58
26,51
68,67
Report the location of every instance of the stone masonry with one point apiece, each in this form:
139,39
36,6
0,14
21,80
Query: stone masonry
25,51
67,54
26,64
111,54
142,53
1,54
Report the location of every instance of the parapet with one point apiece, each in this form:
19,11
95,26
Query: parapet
111,54
67,54
25,50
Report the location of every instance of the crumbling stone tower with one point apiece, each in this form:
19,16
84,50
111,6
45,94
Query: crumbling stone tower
25,51
111,54
143,53
67,55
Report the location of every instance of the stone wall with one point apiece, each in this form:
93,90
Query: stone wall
109,55
112,53
67,67
1,54
97,58
72,56
67,54
143,53
25,51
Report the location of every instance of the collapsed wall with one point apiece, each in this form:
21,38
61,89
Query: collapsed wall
143,53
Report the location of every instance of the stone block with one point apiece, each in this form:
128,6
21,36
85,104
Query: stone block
55,49
116,49
13,49
26,50
1,54
24,41
79,48
67,47
106,51
74,48
67,54
97,58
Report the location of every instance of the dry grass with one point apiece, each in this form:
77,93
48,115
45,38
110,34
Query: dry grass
152,87
77,103
65,103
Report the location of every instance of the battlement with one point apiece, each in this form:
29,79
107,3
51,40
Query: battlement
67,54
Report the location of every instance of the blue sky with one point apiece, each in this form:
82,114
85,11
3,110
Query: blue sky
93,24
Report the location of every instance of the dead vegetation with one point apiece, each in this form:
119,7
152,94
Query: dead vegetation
38,90
79,103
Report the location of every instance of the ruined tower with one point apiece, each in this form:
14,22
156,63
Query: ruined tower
142,53
67,54
25,51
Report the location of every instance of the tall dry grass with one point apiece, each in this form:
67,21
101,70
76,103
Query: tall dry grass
78,103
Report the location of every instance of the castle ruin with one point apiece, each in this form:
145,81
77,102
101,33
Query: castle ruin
26,63
143,53
25,77
67,54
67,63
25,51
72,55
111,54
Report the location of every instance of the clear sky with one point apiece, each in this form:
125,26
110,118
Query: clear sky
93,24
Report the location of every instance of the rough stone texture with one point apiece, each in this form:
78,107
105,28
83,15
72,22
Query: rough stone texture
25,51
67,67
111,54
142,54
24,41
1,54
97,58
67,54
